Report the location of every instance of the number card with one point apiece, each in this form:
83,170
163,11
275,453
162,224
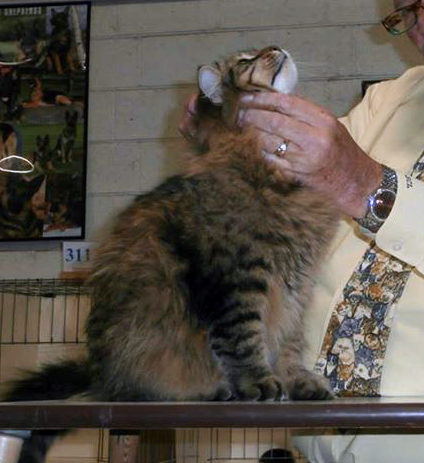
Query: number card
76,255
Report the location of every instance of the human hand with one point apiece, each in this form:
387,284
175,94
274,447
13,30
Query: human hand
320,151
197,125
188,123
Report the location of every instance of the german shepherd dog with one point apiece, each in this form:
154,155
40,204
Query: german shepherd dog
59,57
10,84
22,206
65,143
29,45
43,155
64,199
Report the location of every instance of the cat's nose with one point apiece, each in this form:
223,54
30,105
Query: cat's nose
271,52
270,49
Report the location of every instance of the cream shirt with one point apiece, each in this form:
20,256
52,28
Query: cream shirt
389,125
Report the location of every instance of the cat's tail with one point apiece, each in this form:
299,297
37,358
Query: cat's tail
52,382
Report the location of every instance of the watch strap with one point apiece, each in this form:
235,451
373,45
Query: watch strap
380,202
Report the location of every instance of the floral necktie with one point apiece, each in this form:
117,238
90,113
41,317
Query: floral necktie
355,343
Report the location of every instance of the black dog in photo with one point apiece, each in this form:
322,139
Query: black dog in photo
66,141
59,56
43,155
10,85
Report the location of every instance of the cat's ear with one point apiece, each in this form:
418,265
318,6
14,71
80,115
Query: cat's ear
210,83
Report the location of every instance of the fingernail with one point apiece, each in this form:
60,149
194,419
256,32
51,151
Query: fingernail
241,116
269,156
247,98
191,106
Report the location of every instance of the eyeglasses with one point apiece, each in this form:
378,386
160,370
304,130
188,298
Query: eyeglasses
403,19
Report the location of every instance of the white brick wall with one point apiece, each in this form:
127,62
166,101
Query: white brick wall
142,68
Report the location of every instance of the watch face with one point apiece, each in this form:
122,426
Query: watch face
382,204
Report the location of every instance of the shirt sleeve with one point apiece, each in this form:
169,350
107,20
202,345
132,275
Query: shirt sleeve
402,234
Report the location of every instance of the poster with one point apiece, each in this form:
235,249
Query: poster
44,51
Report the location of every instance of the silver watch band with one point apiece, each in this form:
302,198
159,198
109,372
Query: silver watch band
380,202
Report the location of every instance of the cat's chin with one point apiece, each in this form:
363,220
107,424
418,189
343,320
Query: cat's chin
287,78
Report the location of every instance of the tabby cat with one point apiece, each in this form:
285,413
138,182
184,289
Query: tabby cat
200,289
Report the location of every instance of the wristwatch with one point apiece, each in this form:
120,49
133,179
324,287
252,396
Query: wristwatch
380,202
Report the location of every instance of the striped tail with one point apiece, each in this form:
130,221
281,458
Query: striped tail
52,382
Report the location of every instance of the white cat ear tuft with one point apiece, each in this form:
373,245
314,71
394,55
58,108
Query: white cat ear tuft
210,83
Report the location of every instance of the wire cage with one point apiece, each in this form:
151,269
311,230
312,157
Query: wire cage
43,319
235,445
43,311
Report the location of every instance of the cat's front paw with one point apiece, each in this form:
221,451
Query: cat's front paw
266,388
223,394
307,385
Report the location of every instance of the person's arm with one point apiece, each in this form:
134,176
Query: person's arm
323,154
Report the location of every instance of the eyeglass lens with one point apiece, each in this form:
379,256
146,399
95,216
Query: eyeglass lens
401,21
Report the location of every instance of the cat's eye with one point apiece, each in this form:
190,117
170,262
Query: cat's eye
244,61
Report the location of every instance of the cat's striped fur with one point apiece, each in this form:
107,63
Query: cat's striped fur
200,288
